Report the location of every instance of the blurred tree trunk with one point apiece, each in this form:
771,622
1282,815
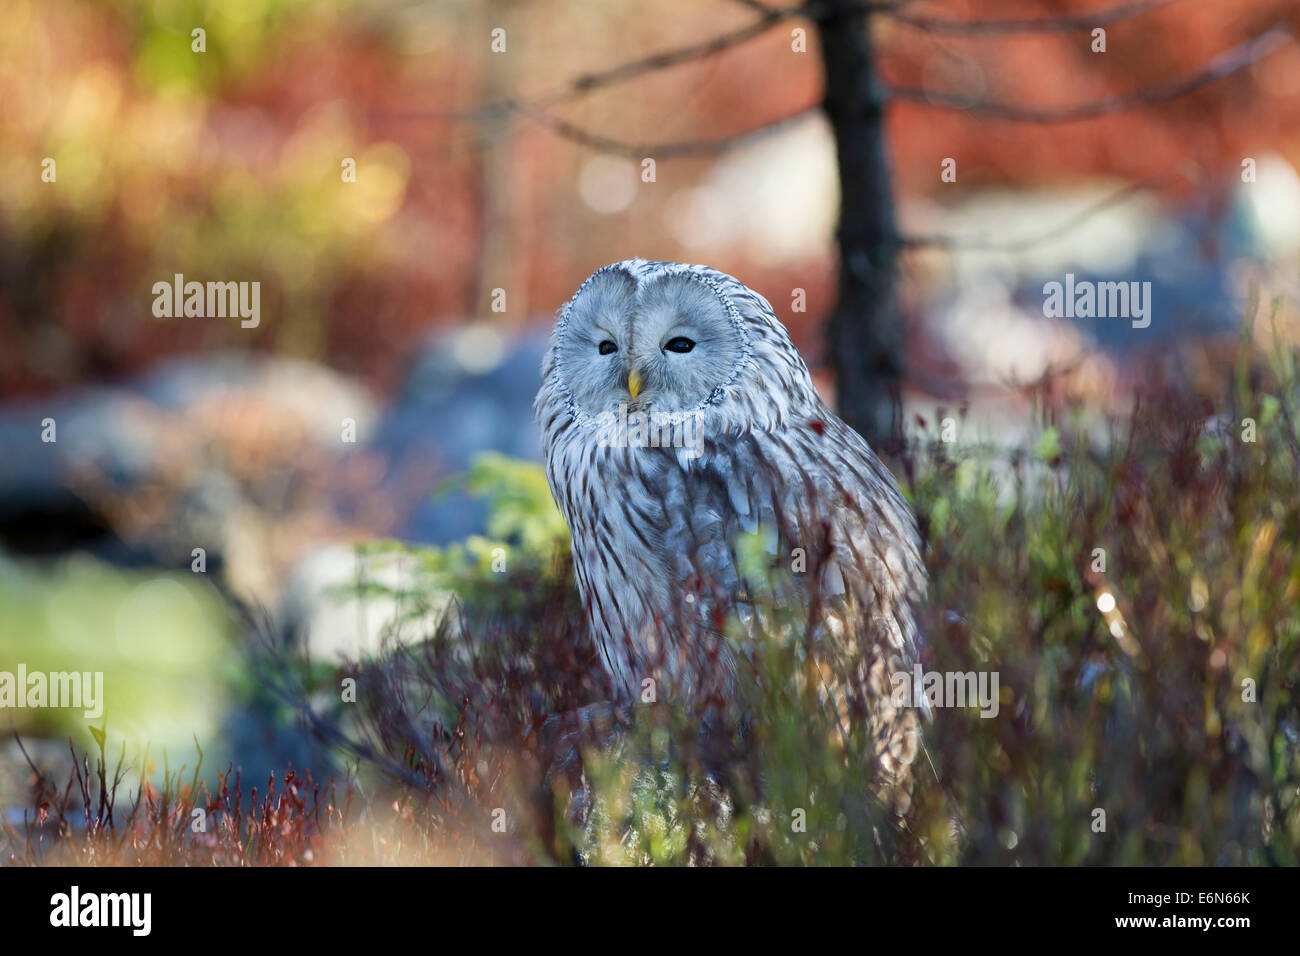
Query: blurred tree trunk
864,333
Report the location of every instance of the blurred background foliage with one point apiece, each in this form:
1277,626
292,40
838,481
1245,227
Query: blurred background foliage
377,310
226,163
164,644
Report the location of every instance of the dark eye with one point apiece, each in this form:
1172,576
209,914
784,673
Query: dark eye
679,344
608,348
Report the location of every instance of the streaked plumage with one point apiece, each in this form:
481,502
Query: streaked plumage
655,529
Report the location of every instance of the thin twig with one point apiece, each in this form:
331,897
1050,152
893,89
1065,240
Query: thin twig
984,244
1225,64
587,82
1066,23
581,85
689,147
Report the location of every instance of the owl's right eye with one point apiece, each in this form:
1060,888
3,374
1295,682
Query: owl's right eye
608,348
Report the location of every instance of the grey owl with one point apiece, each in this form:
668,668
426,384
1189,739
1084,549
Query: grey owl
676,415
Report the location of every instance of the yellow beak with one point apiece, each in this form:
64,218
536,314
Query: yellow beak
634,383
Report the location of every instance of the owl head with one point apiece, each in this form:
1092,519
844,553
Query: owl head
661,337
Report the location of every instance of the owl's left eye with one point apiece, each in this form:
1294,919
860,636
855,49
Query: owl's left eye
680,344
607,347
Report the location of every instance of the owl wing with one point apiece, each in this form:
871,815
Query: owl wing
818,486
814,484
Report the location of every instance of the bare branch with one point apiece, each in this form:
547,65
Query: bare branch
695,147
1067,23
587,82
539,109
984,244
1225,64
947,388
768,17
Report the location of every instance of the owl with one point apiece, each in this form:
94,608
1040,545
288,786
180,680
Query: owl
680,426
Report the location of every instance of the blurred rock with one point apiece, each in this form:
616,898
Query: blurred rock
468,391
333,623
248,457
195,454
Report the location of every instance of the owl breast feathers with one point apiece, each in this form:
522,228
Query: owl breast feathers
681,428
